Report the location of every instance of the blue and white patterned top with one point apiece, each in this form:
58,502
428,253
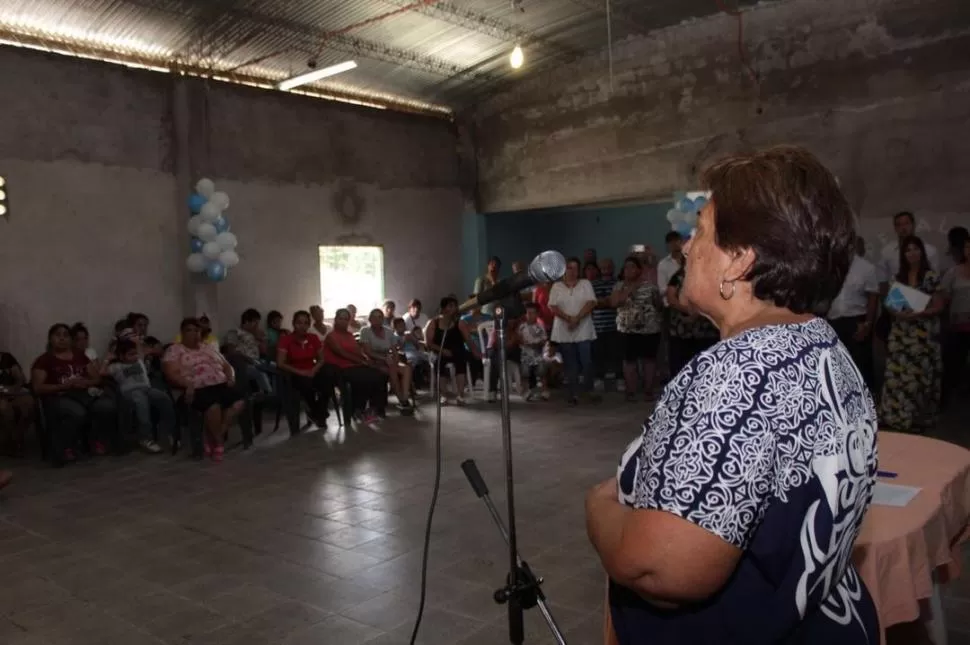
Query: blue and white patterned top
767,440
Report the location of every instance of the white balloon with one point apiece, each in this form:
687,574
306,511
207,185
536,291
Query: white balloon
229,258
205,187
196,263
206,232
193,225
211,250
227,241
210,212
690,219
673,215
220,199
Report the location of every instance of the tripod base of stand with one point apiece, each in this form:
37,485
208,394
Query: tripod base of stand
525,589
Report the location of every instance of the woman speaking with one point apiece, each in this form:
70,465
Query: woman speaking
733,515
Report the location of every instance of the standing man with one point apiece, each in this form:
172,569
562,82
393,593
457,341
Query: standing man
670,264
853,312
605,348
488,280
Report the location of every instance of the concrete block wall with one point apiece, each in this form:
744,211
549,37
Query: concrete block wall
880,89
97,223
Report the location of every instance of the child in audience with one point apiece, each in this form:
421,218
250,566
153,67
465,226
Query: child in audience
551,370
130,373
274,331
532,339
408,343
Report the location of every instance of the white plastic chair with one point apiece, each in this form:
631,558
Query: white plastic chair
515,375
433,359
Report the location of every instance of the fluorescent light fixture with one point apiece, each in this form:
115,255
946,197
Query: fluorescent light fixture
316,75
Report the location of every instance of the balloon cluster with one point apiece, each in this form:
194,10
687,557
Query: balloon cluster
213,246
683,216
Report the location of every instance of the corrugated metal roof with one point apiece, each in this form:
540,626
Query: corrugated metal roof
427,55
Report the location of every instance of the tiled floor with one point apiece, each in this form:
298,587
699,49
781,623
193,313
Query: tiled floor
317,539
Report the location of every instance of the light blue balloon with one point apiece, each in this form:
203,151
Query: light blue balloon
216,271
685,205
196,202
196,245
700,202
683,228
221,224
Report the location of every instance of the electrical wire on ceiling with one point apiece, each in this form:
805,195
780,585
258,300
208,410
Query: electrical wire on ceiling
609,39
742,52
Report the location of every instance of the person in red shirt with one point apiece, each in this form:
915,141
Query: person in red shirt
300,355
541,297
66,382
345,360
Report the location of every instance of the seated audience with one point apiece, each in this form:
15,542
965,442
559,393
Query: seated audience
129,372
388,310
513,356
81,341
246,345
532,338
300,355
16,407
551,367
65,380
638,306
346,362
317,327
206,336
381,345
354,325
409,343
208,382
474,320
450,339
274,331
414,320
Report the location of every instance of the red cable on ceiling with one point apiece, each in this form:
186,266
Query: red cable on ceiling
742,54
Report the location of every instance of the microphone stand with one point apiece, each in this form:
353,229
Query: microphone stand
522,587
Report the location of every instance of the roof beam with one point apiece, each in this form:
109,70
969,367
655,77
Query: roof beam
315,40
485,24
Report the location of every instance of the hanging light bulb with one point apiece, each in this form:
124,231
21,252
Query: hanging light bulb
516,58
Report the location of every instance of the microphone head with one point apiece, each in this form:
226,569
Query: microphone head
548,266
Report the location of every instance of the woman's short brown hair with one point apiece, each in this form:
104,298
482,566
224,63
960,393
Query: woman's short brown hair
788,208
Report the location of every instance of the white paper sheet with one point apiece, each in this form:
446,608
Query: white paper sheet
916,299
893,494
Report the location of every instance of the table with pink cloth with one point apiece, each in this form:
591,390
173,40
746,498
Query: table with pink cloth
903,553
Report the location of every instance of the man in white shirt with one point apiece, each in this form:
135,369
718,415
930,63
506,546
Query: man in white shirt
414,320
853,312
670,264
904,223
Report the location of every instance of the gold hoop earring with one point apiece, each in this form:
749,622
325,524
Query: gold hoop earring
720,289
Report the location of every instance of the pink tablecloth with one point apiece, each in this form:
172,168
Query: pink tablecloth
899,549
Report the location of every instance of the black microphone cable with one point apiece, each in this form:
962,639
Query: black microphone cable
436,377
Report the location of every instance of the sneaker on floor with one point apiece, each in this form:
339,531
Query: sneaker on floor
100,449
149,446
444,400
491,397
545,396
530,395
69,455
460,401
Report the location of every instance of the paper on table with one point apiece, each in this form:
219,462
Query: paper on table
893,494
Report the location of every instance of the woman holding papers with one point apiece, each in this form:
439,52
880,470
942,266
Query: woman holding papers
914,363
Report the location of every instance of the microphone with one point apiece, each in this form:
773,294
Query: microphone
548,266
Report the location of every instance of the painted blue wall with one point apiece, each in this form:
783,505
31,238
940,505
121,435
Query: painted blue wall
611,230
